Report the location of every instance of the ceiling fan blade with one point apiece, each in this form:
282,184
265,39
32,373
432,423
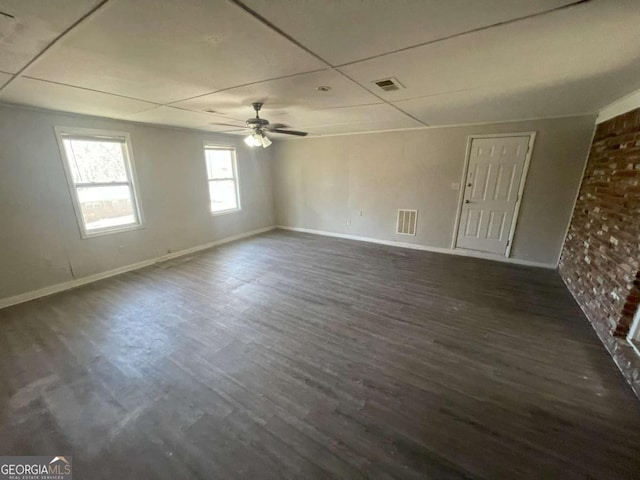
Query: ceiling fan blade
271,126
289,132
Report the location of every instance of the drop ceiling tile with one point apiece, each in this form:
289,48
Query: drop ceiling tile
4,78
581,42
339,120
299,91
164,51
34,26
300,118
346,31
225,129
512,104
372,126
53,96
183,118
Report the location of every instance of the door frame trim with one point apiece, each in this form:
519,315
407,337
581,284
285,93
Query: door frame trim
463,183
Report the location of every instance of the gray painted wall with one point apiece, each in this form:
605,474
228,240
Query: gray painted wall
323,183
40,241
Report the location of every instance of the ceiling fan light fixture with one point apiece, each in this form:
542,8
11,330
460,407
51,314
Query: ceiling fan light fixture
258,139
253,140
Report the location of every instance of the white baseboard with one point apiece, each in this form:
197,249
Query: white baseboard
59,287
448,251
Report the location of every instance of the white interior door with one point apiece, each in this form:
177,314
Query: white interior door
494,174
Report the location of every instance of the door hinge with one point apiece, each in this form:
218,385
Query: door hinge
508,241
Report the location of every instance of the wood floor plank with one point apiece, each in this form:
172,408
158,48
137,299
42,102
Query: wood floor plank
291,355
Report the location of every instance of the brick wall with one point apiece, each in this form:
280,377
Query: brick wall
600,261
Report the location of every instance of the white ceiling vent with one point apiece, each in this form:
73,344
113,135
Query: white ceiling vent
407,221
389,84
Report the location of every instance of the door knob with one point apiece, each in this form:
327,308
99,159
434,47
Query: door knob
467,201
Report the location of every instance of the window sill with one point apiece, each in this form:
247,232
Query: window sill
109,231
225,212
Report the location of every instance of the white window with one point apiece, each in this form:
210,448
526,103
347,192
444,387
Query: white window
99,170
222,175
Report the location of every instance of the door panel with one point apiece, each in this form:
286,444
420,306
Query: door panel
481,174
495,170
496,225
473,223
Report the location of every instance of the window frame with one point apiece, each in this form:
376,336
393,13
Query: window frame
236,177
633,337
132,183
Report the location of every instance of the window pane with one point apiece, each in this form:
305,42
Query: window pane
219,163
95,161
223,195
104,207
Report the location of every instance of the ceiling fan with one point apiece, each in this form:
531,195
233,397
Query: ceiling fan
260,126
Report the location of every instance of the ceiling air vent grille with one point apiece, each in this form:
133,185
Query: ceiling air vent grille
388,84
407,221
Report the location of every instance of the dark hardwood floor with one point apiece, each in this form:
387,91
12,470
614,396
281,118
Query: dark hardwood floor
297,356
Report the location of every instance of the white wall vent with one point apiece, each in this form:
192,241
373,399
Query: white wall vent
389,84
407,221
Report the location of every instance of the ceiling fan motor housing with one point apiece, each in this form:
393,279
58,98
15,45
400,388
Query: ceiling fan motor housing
257,122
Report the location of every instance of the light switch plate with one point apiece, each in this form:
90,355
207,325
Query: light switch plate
455,186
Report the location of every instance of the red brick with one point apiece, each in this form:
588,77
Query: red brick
605,227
